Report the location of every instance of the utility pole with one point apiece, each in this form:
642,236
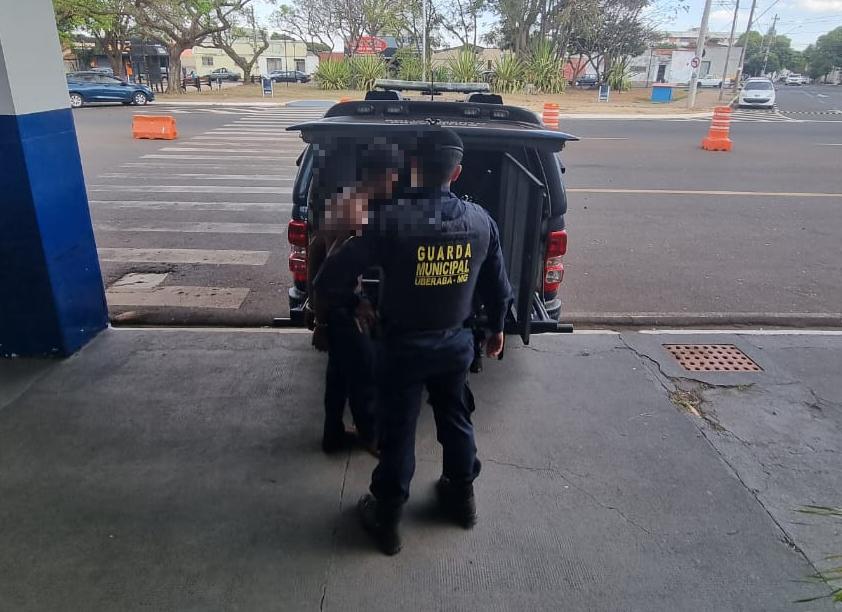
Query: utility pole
700,50
424,40
728,52
745,44
769,44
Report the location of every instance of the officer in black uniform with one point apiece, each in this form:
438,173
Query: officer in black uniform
435,252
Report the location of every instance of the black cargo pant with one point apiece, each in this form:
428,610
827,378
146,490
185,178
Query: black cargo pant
350,376
407,364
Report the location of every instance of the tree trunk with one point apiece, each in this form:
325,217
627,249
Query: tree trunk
174,69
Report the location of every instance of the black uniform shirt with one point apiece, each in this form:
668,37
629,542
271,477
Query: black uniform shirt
434,251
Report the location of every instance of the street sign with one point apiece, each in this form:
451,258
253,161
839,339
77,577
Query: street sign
370,45
267,87
695,62
604,90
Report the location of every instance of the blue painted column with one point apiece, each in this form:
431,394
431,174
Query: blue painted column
51,295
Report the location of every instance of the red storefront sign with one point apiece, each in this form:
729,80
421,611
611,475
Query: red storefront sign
370,45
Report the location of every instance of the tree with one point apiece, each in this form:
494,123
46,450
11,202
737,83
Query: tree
461,18
181,24
225,39
108,21
826,54
313,21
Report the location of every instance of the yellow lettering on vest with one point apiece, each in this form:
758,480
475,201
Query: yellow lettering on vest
468,250
450,251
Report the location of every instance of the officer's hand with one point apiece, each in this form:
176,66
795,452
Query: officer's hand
320,340
366,316
494,345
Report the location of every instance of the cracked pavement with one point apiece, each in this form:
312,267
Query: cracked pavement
176,469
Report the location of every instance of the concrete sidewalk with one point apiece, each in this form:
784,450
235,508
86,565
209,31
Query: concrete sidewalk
180,470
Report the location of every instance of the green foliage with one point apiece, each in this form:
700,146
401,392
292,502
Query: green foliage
441,74
465,67
617,77
332,74
833,575
409,64
508,73
545,68
366,69
825,54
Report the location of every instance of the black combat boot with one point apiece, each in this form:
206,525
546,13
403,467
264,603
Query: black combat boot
457,501
381,521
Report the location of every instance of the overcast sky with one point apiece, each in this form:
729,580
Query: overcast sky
802,20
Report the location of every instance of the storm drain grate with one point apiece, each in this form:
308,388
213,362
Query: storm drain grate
712,358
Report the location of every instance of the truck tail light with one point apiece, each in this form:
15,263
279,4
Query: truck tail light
297,235
553,265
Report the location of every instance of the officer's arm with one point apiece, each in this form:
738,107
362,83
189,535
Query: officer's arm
334,282
493,282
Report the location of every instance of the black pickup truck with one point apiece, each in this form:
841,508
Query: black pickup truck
511,167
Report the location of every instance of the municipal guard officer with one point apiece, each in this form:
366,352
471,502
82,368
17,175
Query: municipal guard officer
435,251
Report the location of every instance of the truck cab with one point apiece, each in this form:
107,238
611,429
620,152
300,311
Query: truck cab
511,167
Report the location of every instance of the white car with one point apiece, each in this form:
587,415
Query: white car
757,92
709,81
795,79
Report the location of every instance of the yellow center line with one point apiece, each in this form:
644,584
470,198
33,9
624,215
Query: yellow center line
768,194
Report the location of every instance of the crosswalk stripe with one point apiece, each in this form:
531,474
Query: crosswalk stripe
197,227
179,296
216,177
191,189
293,137
197,206
229,157
263,166
184,256
209,147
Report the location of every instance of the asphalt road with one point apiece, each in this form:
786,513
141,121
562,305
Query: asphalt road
658,228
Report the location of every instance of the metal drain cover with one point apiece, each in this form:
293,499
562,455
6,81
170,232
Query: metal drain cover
712,358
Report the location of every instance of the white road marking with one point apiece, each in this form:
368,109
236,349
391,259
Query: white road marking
602,138
197,227
778,194
185,256
216,330
264,166
829,144
179,297
203,206
191,189
229,157
260,138
217,177
742,332
138,280
210,149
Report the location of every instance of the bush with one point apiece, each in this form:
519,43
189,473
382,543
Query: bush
545,69
409,65
441,74
508,74
332,74
366,69
465,67
618,79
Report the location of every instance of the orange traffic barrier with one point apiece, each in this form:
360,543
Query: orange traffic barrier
720,127
154,126
344,99
550,117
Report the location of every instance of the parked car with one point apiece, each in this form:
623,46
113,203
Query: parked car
103,70
511,167
709,81
289,76
587,81
223,74
757,92
795,79
86,87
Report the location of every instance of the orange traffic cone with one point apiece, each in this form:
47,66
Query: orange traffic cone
720,127
550,117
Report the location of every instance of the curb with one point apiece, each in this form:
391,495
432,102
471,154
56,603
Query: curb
711,319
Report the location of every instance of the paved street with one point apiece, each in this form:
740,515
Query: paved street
659,229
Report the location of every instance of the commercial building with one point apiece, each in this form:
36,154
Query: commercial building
280,55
